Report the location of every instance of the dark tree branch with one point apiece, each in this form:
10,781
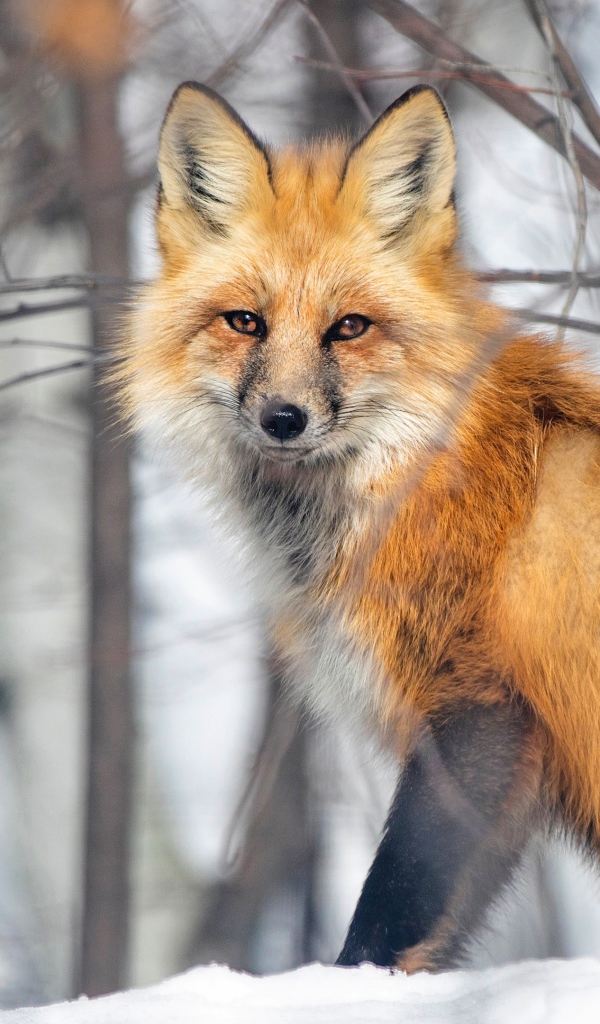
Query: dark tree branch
336,66
556,277
87,282
579,92
232,62
92,359
25,309
541,121
548,34
454,73
32,343
49,371
569,322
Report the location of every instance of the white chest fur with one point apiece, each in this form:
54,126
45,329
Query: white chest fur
325,668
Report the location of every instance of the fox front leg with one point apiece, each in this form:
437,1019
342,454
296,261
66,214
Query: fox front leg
459,821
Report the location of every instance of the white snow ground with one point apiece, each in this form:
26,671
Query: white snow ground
532,992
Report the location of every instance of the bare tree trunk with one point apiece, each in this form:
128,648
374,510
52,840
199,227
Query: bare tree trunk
331,107
277,864
105,924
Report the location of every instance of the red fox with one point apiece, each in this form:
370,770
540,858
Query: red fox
421,488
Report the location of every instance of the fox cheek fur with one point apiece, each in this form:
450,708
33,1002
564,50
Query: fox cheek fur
420,488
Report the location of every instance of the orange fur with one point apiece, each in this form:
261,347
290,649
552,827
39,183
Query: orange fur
470,456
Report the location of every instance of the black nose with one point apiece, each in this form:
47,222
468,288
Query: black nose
282,420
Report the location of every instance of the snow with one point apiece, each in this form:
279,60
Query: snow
533,992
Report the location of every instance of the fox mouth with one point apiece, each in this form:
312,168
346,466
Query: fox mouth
284,453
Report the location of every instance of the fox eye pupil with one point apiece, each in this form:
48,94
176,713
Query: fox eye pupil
351,326
244,322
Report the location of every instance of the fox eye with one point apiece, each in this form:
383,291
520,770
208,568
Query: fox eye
244,322
351,326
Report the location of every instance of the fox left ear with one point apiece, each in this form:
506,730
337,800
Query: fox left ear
210,163
405,164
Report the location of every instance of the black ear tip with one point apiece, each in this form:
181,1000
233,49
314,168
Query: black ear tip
191,86
218,100
416,90
198,87
402,100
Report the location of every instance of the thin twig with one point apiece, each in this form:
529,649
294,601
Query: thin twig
25,309
49,371
88,282
452,74
580,94
248,45
568,322
549,34
31,343
256,794
337,66
4,265
541,121
556,277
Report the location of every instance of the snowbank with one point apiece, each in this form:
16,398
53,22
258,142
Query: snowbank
533,992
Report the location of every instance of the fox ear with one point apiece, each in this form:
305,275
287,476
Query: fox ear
209,160
405,164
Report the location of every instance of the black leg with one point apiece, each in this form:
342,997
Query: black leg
454,833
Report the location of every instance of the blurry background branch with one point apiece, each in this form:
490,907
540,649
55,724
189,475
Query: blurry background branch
550,36
454,72
337,66
556,277
88,282
24,309
415,26
578,90
48,371
559,320
232,63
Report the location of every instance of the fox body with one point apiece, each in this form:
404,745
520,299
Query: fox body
421,488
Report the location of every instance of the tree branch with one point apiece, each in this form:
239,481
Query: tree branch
88,282
455,72
337,67
568,322
580,94
27,343
541,121
548,33
48,371
556,277
248,45
25,309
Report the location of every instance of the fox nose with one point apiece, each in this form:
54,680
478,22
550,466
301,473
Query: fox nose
282,420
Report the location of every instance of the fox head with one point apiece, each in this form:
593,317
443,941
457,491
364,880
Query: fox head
310,312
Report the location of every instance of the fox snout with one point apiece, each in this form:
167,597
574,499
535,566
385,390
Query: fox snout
282,420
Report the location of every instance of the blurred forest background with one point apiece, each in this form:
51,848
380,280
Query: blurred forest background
161,804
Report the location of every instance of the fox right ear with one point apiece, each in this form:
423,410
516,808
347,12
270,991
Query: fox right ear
209,160
404,165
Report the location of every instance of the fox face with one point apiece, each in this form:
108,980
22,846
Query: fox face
311,310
